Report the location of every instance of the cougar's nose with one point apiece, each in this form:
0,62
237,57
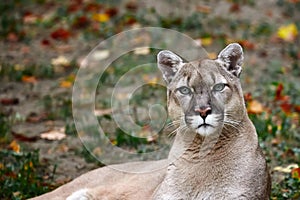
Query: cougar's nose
203,111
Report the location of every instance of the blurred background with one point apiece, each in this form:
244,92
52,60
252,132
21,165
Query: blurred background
43,43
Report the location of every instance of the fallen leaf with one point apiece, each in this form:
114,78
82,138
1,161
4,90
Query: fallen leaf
12,37
81,22
100,54
131,5
61,34
247,44
287,169
255,107
288,33
24,138
66,84
93,7
150,80
15,146
296,173
97,151
212,55
100,17
58,134
235,7
60,61
203,9
45,42
111,12
206,41
248,97
9,101
141,51
35,118
101,112
29,79
30,18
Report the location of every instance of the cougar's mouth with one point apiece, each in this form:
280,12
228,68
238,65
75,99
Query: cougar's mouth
205,125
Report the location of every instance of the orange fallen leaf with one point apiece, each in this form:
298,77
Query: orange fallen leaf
65,84
247,44
58,134
29,79
296,173
255,107
15,146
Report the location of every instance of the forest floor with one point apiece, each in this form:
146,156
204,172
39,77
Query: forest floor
44,45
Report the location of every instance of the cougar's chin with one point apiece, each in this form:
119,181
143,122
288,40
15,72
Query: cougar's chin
203,127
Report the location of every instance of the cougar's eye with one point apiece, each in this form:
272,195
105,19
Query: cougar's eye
219,87
184,90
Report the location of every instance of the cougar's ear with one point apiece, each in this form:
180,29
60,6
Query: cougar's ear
168,63
232,57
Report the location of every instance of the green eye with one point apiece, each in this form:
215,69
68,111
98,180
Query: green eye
219,87
185,90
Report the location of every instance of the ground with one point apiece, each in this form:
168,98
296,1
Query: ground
43,46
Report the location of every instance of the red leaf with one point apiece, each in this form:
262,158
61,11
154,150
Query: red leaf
12,37
24,138
247,44
278,94
131,6
81,22
248,97
286,107
235,8
35,118
73,8
9,101
61,34
45,42
93,7
111,12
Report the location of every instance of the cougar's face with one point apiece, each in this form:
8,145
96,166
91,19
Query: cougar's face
201,92
205,93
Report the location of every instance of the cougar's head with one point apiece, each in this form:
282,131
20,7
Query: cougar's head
205,93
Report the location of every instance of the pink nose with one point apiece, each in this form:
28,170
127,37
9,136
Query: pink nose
204,111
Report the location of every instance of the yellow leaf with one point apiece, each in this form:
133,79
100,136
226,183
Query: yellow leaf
206,41
15,146
66,84
100,17
1,166
288,33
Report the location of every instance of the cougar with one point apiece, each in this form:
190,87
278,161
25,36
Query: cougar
215,154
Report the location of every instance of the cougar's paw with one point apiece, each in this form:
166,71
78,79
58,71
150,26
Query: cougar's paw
79,195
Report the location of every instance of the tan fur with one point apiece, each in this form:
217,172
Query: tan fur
219,161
